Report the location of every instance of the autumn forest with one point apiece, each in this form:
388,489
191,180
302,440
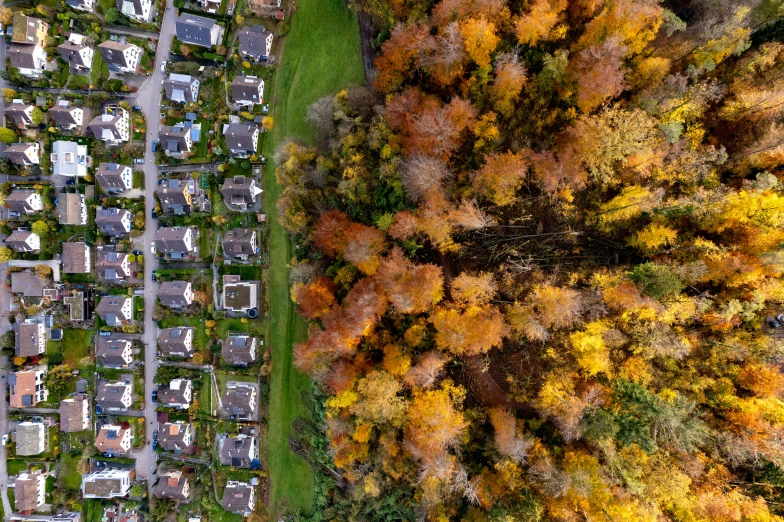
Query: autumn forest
541,258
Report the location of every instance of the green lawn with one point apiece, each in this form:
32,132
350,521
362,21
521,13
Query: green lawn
75,345
321,56
15,466
247,273
227,326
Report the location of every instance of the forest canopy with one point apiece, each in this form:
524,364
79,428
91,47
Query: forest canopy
541,261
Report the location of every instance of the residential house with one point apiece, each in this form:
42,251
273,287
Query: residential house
69,158
238,451
176,242
112,127
176,196
121,513
29,59
113,439
76,257
239,400
255,43
112,267
22,241
23,153
173,485
113,221
29,491
30,438
239,349
247,90
175,294
26,388
239,498
139,10
81,5
66,116
114,397
239,192
27,284
176,395
77,53
176,341
240,243
211,6
113,352
30,340
72,209
107,483
114,178
176,141
241,139
120,57
73,516
24,201
115,310
176,436
198,30
239,296
75,414
20,113
181,88
28,30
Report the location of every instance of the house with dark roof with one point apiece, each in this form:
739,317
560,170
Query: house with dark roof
247,90
23,153
176,436
113,439
240,243
27,388
28,30
238,451
176,242
75,414
66,116
176,341
176,141
113,221
241,139
176,395
72,209
176,196
255,43
20,113
30,438
22,241
29,491
239,349
239,400
24,201
30,340
120,57
181,88
239,296
81,5
69,158
139,10
112,127
107,483
198,30
29,59
114,396
115,310
173,485
77,53
76,257
239,498
112,267
239,192
175,294
114,178
113,351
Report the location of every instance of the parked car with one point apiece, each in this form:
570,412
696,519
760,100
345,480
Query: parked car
772,322
154,215
152,248
154,145
152,276
139,160
155,435
104,334
163,66
137,107
70,182
137,252
154,445
155,398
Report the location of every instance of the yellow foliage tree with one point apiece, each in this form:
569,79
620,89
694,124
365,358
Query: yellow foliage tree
480,39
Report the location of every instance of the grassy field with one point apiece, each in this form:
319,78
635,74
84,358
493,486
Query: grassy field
15,466
321,56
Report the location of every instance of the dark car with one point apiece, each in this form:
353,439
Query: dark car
137,107
154,215
772,322
152,276
137,252
154,145
155,435
70,182
155,396
154,445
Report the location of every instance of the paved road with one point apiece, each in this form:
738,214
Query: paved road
190,167
4,422
133,32
37,411
149,97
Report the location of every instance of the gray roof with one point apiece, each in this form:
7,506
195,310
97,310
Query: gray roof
109,176
246,88
178,87
171,240
253,41
172,293
25,28
21,56
171,485
167,395
17,153
70,52
69,208
28,438
71,414
237,349
236,497
110,309
236,400
76,3
109,395
109,350
172,195
138,10
16,112
62,115
194,29
172,139
240,137
74,257
107,126
171,436
236,451
17,241
172,340
237,189
108,266
27,339
113,53
109,220
26,493
103,487
237,241
27,283
17,200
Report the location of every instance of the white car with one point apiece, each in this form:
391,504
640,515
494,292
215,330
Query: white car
152,248
163,66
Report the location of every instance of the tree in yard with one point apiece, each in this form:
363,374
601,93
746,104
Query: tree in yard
6,16
9,94
5,254
43,271
7,135
20,361
137,491
37,116
32,310
131,258
57,378
112,15
268,123
40,227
